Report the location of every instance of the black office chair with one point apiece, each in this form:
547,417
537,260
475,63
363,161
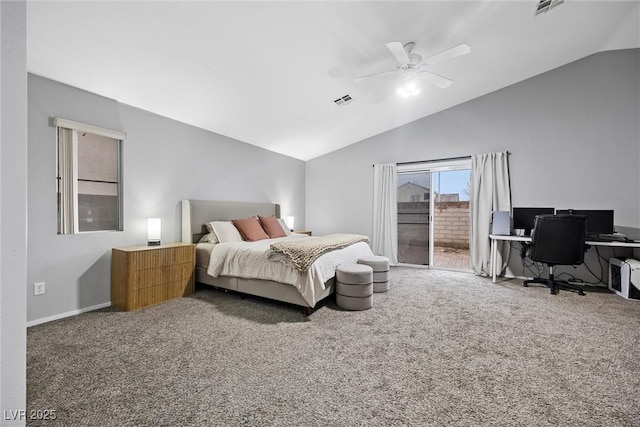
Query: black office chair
558,240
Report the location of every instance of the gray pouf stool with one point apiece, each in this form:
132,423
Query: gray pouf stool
354,286
381,272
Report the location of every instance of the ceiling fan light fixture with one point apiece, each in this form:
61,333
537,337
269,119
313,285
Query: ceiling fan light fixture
410,64
408,89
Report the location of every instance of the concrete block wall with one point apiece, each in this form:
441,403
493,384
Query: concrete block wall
451,221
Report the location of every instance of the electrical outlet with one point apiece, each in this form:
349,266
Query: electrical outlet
38,288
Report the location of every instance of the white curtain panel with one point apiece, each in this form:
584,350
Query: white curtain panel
68,170
490,191
385,212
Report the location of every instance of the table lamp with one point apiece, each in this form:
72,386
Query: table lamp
290,221
154,231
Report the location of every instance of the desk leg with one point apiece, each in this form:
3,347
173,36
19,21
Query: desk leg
494,259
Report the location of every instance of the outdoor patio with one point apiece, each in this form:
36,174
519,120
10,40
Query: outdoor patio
443,256
446,257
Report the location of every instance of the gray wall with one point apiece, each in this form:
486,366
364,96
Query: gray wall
13,210
573,133
164,161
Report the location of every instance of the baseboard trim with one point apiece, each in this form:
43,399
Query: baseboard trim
512,276
67,314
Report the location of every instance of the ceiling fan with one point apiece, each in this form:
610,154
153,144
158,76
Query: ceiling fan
410,64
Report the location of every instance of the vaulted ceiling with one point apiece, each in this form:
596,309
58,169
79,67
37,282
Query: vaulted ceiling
267,73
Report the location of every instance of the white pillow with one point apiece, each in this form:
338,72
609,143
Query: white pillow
226,231
284,226
209,237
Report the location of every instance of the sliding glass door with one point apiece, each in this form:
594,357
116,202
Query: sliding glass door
450,213
433,214
414,198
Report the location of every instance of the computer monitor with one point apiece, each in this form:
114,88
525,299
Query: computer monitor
598,221
523,218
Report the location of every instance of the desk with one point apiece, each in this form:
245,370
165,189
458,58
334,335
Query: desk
522,239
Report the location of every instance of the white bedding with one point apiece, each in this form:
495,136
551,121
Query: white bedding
249,260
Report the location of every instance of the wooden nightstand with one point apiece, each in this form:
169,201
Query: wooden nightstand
307,232
147,275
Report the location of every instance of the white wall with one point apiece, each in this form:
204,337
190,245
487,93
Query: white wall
573,133
13,210
164,161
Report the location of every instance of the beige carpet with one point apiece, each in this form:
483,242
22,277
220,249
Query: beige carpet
440,349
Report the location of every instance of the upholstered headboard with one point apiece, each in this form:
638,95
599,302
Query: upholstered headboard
196,213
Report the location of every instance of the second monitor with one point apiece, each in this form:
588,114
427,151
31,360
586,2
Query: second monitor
523,218
598,221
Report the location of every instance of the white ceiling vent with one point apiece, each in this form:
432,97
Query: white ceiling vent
343,100
546,5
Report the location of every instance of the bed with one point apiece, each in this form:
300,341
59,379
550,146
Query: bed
306,290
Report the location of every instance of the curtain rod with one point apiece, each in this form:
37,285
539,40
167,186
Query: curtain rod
436,160
431,161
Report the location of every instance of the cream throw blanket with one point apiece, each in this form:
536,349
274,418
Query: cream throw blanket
300,254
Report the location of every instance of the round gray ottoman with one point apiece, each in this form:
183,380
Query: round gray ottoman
381,272
354,286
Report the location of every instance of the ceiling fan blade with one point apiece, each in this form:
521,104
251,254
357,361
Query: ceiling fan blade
397,50
435,79
461,49
381,73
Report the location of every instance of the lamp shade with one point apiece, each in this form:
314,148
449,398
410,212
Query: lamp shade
154,231
290,221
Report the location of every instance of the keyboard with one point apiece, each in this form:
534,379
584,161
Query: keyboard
608,238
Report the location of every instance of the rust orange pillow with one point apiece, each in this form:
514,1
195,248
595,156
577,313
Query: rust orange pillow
272,226
250,229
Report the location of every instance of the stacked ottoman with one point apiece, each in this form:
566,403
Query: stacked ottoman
354,286
381,273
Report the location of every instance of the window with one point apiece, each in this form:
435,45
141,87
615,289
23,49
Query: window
88,178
